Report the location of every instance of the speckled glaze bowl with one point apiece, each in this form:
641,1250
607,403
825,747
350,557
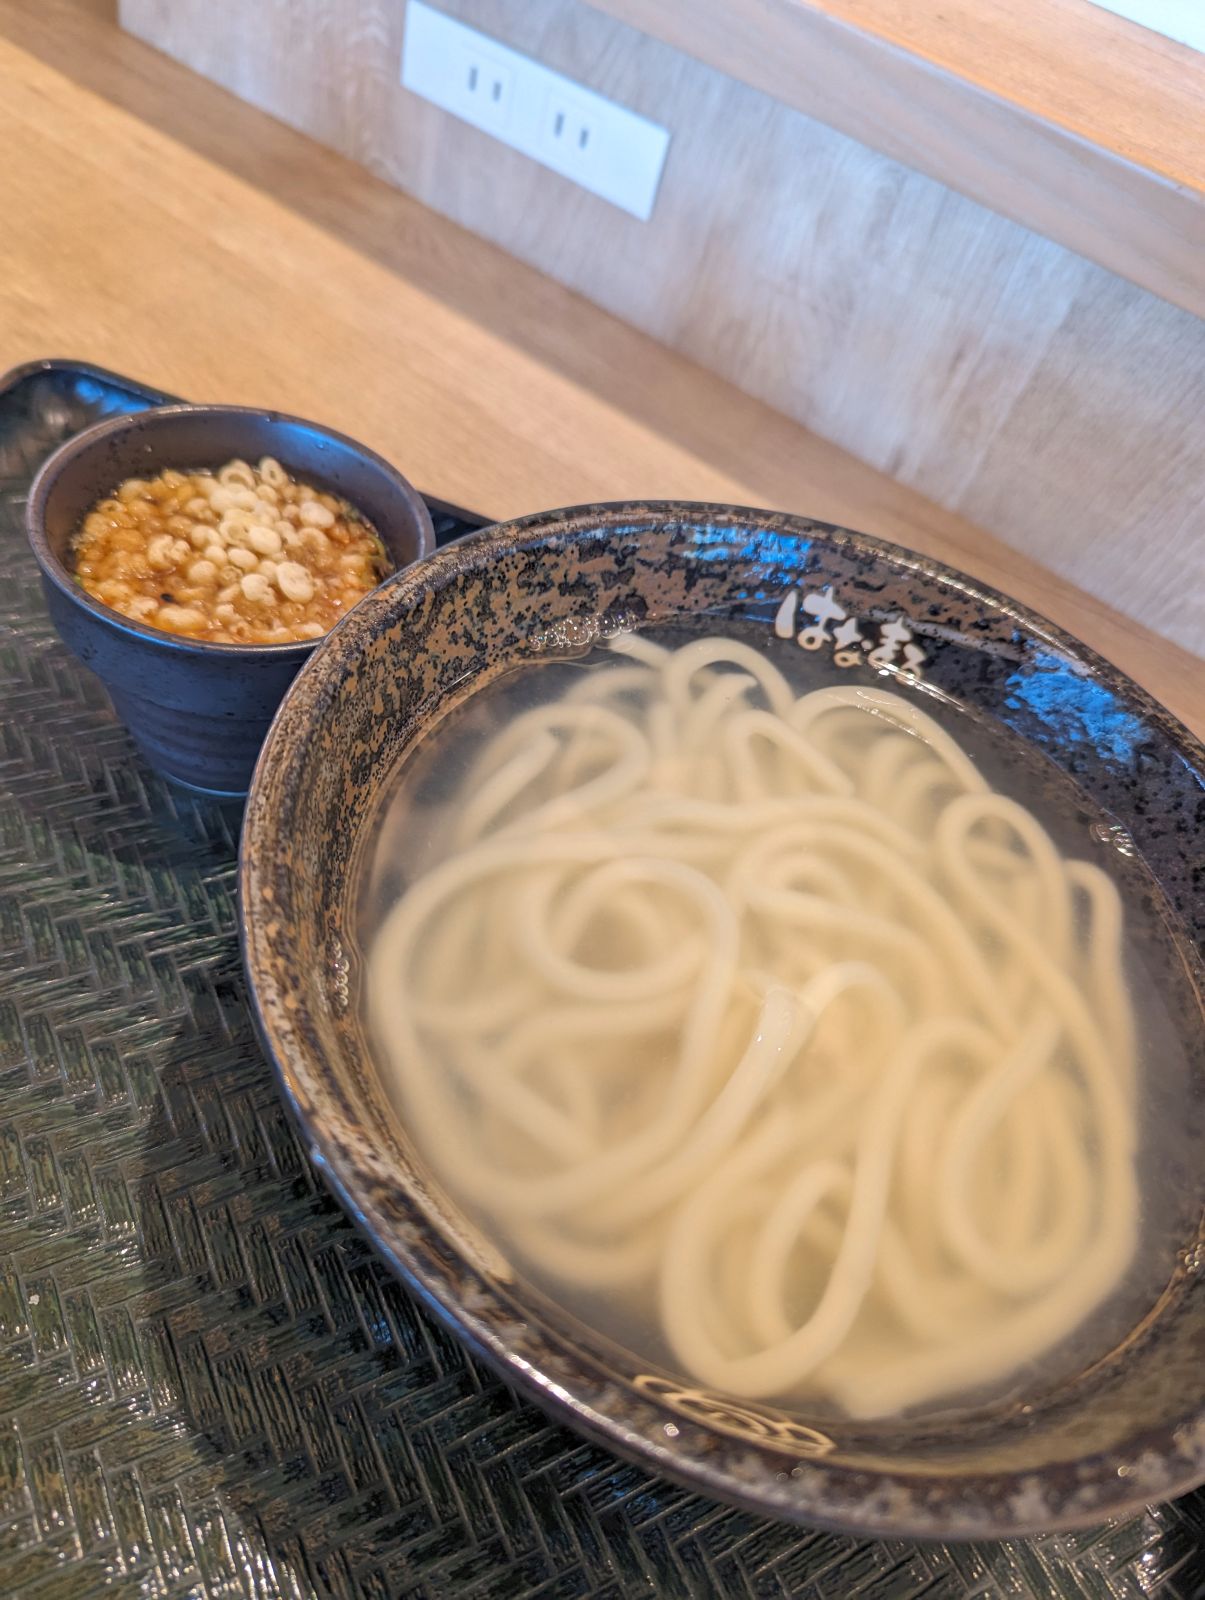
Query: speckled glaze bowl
1130,1430
198,711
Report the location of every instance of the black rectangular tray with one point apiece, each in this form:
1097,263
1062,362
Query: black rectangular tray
209,1385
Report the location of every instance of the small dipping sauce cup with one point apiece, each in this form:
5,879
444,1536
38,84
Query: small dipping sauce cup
199,710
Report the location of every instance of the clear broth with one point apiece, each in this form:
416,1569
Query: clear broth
408,838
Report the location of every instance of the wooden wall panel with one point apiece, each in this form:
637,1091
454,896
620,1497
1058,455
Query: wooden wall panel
1000,374
1071,121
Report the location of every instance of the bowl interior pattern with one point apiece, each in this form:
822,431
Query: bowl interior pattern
1130,1430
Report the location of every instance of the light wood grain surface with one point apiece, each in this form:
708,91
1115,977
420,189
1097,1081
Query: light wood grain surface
169,231
1077,123
999,374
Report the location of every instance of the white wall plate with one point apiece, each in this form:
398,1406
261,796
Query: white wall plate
580,134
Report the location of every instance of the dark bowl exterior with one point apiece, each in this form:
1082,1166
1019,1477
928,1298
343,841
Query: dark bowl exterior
1125,1432
198,711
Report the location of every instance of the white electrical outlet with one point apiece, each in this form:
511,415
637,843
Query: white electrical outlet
582,135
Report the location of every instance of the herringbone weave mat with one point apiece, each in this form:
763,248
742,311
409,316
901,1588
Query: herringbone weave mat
209,1386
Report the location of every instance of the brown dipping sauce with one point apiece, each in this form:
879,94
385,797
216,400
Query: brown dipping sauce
241,555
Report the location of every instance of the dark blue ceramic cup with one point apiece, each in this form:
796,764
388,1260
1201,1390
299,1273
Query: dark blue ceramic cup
199,711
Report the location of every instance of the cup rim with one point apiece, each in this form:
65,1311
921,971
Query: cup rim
57,572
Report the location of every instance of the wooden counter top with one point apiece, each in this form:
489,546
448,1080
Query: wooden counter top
157,225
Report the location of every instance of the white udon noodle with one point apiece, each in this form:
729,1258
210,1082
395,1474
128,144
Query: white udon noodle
763,1013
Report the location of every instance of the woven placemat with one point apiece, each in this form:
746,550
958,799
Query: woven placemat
209,1385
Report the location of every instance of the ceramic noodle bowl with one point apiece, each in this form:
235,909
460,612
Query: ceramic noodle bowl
1127,1425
